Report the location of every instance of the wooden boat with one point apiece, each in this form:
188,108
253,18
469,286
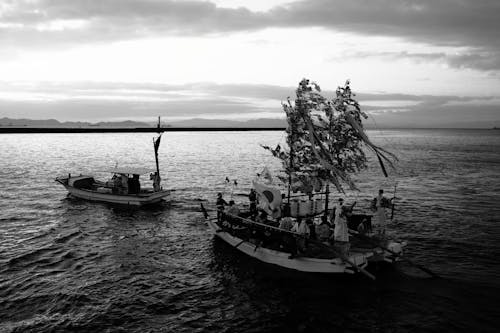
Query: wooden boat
121,188
87,188
331,262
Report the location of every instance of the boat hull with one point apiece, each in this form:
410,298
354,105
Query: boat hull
130,200
303,264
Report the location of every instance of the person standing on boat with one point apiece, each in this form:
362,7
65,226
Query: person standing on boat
324,230
336,210
312,229
124,184
156,181
302,229
220,203
380,203
233,209
341,231
286,223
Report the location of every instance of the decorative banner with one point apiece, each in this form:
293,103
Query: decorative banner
325,139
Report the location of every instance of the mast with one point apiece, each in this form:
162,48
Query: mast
156,145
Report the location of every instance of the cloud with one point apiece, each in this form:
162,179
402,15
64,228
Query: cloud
106,101
95,101
469,25
486,61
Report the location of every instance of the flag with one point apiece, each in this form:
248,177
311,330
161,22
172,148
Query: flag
269,197
157,144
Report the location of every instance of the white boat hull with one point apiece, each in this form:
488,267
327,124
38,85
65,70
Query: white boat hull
303,264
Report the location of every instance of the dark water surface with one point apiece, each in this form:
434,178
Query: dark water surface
69,265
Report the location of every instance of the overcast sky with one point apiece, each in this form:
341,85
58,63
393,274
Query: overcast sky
411,62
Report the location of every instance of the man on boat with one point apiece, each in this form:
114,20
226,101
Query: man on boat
324,230
302,229
262,217
337,209
134,185
233,209
124,184
341,231
220,203
379,204
286,222
155,177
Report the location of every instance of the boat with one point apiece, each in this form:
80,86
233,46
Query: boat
123,188
88,188
325,141
328,262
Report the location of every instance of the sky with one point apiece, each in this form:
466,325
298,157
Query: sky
414,63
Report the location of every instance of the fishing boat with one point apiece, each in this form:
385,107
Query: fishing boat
325,142
123,188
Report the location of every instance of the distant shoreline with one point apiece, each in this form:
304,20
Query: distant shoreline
35,130
7,130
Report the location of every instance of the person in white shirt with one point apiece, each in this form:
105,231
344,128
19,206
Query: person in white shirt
302,229
233,209
380,203
341,232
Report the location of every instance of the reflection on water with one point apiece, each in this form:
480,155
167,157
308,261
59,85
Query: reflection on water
72,265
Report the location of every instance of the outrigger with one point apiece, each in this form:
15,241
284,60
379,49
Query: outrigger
123,188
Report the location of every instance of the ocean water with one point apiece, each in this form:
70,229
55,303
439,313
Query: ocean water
71,265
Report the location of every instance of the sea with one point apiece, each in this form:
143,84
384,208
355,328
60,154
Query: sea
68,265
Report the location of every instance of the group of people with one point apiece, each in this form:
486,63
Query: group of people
332,229
328,233
122,184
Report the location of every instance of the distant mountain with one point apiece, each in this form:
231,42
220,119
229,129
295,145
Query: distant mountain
53,123
382,122
256,123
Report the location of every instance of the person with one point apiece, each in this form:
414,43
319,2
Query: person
286,223
324,230
220,203
364,226
253,202
133,184
302,229
124,184
233,209
312,228
114,183
137,184
341,232
262,218
380,203
337,209
155,177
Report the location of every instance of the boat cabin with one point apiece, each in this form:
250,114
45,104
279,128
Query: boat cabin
126,180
